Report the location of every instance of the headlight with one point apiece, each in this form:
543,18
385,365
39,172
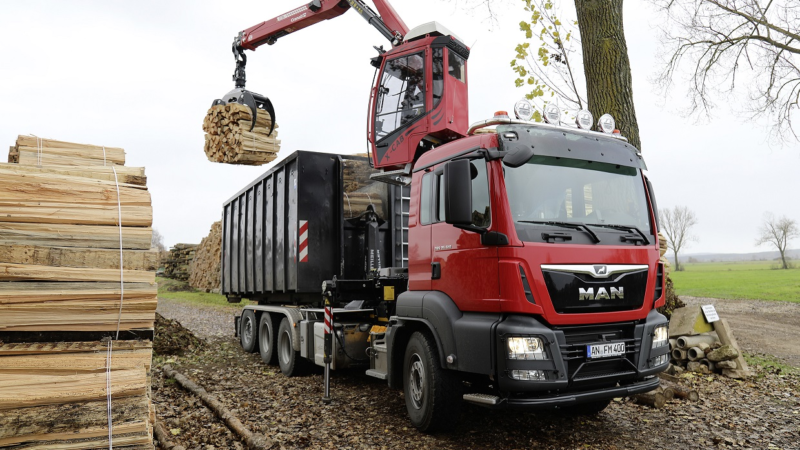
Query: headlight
526,348
660,336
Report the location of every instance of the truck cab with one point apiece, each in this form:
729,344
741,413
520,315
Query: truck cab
533,270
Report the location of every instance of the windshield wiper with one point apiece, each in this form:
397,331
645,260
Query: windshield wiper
627,228
573,225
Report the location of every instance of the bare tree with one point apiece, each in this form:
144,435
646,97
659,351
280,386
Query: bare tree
676,224
157,241
778,232
720,41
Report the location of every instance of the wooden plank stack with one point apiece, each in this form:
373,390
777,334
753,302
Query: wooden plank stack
205,267
63,296
177,264
359,192
229,139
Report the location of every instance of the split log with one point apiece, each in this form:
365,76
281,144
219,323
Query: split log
667,392
230,140
67,363
44,187
26,272
82,150
32,158
126,176
60,235
78,257
79,315
653,399
253,440
21,391
685,393
75,213
52,292
48,348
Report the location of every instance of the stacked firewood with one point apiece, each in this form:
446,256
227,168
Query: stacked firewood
358,190
77,298
229,138
177,264
205,267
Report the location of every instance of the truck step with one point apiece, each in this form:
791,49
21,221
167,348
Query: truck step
377,374
483,399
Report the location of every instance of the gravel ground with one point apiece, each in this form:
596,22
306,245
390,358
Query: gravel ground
761,413
761,327
203,320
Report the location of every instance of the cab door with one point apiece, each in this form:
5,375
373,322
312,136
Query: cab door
461,266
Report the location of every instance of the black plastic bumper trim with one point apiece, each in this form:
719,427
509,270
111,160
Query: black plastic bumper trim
576,398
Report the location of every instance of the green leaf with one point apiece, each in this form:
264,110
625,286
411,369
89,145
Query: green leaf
175,431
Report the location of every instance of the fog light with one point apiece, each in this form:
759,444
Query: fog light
528,375
526,348
660,336
659,360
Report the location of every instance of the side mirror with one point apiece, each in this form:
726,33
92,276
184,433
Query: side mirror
458,192
518,155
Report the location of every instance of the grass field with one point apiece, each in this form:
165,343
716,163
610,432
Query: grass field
177,290
756,280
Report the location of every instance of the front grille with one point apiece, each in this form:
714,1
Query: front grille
569,291
582,370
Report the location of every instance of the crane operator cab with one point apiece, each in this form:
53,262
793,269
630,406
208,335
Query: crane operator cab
420,97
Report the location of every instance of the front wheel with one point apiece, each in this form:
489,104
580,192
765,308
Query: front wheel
247,331
433,394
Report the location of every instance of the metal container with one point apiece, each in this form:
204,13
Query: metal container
286,232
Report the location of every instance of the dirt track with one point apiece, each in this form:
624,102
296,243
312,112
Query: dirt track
761,327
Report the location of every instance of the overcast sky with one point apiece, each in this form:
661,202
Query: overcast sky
141,75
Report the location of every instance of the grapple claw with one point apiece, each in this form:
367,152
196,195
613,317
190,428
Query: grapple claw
253,101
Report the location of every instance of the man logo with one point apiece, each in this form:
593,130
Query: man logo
602,294
601,270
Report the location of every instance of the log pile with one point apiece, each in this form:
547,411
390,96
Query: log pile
205,268
177,264
66,287
230,140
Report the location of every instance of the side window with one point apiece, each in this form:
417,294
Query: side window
481,204
438,75
456,66
401,95
425,199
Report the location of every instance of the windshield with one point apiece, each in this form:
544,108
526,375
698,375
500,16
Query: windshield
551,189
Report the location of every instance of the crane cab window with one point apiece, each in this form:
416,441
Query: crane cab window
456,67
401,94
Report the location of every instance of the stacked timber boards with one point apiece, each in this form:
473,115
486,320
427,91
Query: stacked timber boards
66,287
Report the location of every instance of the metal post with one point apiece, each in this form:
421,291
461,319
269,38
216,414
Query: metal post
328,349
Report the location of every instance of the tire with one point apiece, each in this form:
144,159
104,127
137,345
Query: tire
266,339
586,409
287,357
248,328
432,394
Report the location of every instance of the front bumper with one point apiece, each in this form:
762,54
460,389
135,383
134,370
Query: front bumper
570,376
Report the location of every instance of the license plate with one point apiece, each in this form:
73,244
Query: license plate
605,350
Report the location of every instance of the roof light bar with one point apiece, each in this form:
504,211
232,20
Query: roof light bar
523,110
584,120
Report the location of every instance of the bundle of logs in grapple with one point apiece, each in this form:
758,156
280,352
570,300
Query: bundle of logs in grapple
77,298
177,265
205,267
230,139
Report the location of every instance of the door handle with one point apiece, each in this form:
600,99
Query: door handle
436,271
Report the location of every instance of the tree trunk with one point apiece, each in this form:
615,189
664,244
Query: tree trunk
606,65
783,260
677,265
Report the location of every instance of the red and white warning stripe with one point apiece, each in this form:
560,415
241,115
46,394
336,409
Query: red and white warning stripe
328,319
303,247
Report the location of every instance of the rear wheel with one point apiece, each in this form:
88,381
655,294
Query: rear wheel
287,357
433,394
266,338
247,331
